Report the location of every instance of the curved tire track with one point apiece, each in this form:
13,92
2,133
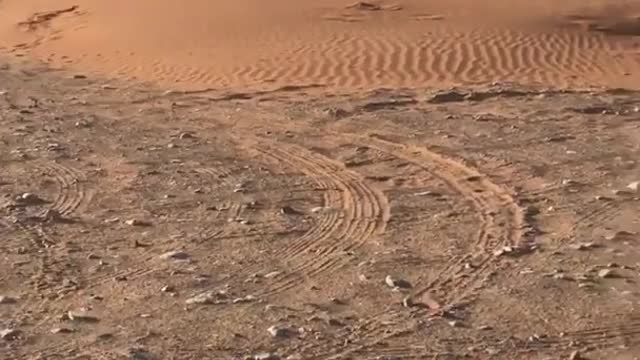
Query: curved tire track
500,225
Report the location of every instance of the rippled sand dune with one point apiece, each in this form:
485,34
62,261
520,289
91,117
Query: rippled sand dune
336,43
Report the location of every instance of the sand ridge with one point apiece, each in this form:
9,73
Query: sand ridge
338,44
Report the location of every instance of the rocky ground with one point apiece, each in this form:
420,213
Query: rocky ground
493,223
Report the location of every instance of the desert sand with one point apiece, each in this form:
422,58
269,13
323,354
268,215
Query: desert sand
335,43
332,180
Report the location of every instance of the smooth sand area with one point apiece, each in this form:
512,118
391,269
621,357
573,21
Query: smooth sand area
336,43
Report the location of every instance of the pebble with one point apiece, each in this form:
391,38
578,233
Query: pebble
9,334
585,246
7,300
186,135
62,330
455,323
620,235
272,274
288,210
279,331
138,353
397,283
607,273
207,298
137,222
175,255
29,199
246,299
264,356
81,316
407,302
575,355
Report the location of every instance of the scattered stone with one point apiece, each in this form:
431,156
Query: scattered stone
263,356
455,323
186,135
208,298
62,330
137,222
407,302
427,193
167,288
280,331
175,255
634,186
82,316
9,334
4,300
288,210
485,328
607,273
139,353
397,283
585,246
30,199
620,236
246,299
272,274
575,355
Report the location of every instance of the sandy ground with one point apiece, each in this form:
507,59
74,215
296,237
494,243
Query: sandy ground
495,224
335,43
301,181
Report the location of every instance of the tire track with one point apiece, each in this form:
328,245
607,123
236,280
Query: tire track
72,195
364,214
500,225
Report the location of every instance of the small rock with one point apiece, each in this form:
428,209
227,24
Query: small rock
207,298
279,331
272,274
30,199
79,76
407,302
246,299
620,236
82,316
575,355
186,135
138,353
607,273
9,334
397,283
7,300
62,330
455,323
288,210
585,246
175,255
504,251
137,222
264,356
167,288
634,186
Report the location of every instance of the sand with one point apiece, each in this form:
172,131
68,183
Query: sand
336,43
333,181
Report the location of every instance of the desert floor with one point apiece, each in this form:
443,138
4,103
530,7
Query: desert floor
296,180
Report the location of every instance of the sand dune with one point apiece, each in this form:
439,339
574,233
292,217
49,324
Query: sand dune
337,43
